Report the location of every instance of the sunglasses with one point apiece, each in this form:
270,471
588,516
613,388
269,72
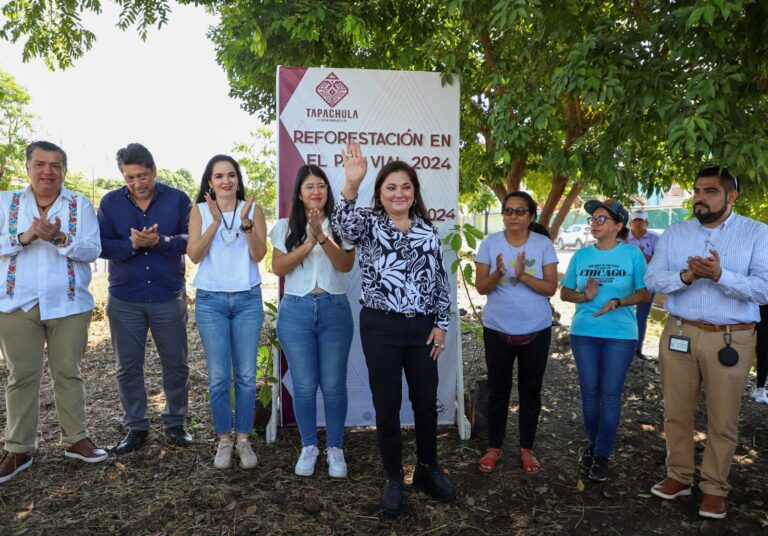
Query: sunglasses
509,211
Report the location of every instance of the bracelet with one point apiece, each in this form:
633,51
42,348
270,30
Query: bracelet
246,226
686,283
324,241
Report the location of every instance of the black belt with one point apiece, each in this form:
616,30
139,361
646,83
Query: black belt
397,314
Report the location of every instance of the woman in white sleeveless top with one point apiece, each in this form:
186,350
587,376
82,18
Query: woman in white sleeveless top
227,237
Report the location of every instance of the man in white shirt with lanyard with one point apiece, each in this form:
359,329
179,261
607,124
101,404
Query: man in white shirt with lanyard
48,237
714,271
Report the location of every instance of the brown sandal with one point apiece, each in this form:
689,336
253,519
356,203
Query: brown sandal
528,462
487,463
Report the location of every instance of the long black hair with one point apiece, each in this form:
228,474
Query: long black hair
297,219
398,165
205,186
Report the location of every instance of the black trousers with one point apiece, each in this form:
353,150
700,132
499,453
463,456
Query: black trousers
531,364
392,344
762,347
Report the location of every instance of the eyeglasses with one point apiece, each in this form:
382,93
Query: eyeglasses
519,211
597,220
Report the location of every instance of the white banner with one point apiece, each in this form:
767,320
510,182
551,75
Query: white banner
394,115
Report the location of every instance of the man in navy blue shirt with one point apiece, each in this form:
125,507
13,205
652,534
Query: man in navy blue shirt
144,232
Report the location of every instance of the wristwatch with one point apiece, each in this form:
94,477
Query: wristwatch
618,302
58,240
686,283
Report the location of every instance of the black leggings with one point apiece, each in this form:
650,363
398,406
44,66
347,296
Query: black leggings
762,347
532,362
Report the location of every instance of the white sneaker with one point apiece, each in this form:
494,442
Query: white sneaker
223,457
759,396
337,467
245,453
306,464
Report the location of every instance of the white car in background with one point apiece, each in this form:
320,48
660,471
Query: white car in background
576,236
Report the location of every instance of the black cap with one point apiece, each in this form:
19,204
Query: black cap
614,207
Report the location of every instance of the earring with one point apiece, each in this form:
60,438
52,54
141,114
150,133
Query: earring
377,202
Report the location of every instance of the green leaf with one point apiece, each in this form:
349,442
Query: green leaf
471,240
456,242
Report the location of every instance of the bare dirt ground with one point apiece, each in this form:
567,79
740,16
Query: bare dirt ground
167,490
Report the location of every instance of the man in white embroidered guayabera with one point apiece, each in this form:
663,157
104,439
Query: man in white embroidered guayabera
48,237
714,271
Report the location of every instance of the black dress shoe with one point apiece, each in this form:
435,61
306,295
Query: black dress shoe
132,442
430,480
178,436
392,496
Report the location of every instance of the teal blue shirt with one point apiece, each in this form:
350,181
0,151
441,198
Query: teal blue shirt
620,272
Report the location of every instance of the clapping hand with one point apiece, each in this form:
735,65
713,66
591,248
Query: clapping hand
590,289
45,229
213,208
706,267
245,214
146,238
520,265
501,267
315,222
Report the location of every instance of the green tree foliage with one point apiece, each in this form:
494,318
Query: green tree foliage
15,123
614,96
53,29
181,179
258,161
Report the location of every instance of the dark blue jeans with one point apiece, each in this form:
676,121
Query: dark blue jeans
602,365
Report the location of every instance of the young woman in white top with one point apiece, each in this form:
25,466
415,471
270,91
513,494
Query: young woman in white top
228,237
314,324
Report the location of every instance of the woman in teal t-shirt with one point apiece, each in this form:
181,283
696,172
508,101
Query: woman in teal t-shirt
604,281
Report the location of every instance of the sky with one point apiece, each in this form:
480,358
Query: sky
167,93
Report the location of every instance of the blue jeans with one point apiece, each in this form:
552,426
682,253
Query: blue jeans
230,326
602,365
643,310
315,332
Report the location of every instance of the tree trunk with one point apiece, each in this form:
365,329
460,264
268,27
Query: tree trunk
514,178
564,210
555,194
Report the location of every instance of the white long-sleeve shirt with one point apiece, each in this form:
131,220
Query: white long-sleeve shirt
54,277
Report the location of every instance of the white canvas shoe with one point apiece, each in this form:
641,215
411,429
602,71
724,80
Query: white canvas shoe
337,467
223,457
306,464
246,455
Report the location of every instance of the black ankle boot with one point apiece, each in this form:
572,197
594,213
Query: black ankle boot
392,496
430,480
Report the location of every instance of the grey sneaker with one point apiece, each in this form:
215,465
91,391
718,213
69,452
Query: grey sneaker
306,464
223,457
337,467
246,455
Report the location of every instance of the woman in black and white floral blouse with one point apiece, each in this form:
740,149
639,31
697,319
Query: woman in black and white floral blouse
406,313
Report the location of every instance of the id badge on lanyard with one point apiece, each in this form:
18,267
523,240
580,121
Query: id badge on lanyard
680,343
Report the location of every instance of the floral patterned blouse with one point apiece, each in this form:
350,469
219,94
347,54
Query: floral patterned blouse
401,272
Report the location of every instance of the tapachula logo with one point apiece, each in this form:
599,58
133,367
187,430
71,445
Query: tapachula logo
332,90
